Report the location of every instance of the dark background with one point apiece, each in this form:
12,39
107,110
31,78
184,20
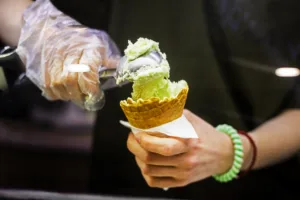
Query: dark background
202,39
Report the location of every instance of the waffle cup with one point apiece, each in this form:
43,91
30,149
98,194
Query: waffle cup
145,114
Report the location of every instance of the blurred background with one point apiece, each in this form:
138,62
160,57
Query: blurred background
227,51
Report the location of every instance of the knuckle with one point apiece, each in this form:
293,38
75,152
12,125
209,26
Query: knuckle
48,94
145,143
192,162
151,182
56,83
69,80
196,147
146,169
47,86
128,144
148,157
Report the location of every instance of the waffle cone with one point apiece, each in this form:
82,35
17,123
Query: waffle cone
145,114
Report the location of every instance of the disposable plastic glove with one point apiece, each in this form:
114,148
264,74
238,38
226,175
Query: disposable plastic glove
50,41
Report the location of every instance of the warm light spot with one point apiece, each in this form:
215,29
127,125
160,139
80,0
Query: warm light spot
78,68
287,72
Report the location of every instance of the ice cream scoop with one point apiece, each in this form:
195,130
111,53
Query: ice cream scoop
155,99
152,58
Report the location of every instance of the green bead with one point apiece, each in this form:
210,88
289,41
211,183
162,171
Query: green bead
237,141
238,147
220,179
230,174
235,170
225,177
238,159
237,165
235,137
238,153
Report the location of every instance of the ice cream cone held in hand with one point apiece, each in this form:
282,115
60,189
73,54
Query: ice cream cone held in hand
155,100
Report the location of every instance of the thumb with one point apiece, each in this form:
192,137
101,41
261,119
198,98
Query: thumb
191,117
198,123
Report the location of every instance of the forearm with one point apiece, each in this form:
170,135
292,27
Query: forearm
11,20
276,140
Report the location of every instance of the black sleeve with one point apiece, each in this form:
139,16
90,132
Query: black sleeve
296,95
91,13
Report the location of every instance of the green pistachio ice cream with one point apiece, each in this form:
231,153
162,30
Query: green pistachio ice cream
151,80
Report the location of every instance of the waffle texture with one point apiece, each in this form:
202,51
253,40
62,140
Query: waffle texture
145,114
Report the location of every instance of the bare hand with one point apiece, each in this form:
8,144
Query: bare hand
167,162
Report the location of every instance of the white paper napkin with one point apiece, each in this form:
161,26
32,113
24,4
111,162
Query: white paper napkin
180,127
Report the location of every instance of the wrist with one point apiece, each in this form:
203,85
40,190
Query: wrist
227,154
11,20
237,154
247,152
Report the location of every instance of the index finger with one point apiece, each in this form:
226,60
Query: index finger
165,146
89,81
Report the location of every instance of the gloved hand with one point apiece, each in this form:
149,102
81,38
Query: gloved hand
50,41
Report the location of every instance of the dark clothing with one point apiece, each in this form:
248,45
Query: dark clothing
229,71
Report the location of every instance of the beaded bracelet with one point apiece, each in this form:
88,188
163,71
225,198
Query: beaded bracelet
238,160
